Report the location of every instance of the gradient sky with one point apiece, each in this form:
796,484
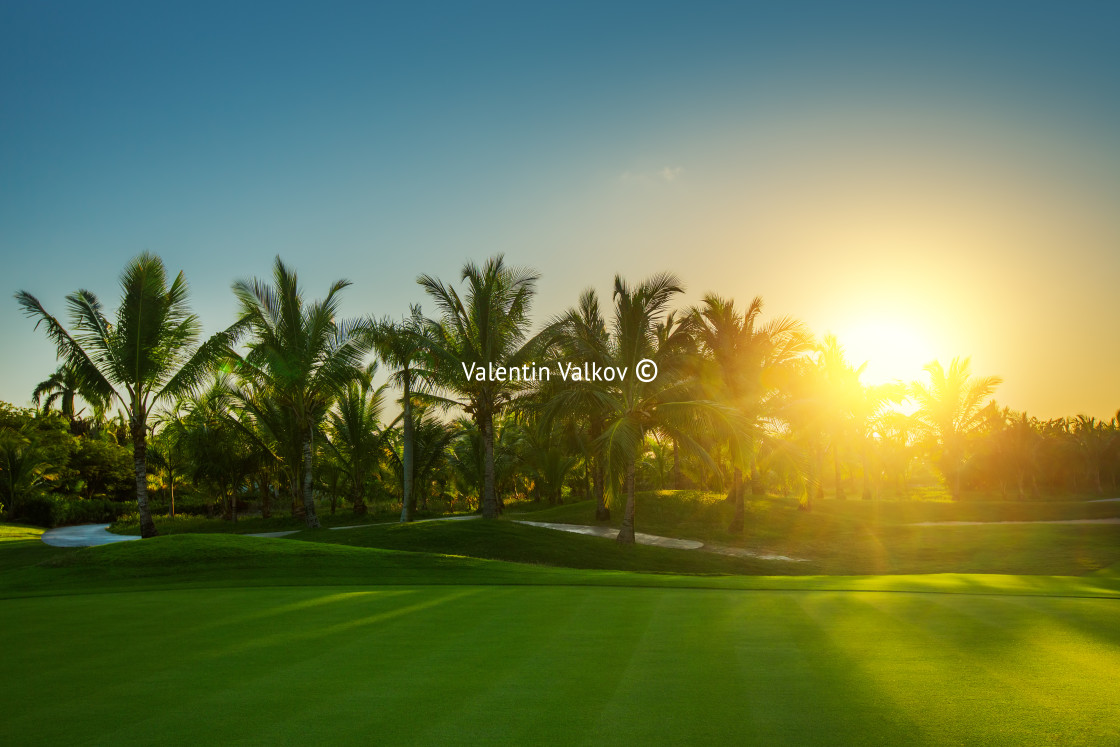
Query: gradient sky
936,181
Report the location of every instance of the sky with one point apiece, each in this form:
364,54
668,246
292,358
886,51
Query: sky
928,181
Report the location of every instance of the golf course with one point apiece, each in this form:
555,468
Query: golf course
353,636
618,373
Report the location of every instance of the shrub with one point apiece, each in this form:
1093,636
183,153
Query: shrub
53,511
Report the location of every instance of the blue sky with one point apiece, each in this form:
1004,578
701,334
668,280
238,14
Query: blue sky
945,171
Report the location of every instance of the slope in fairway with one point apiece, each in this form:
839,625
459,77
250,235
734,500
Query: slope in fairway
560,664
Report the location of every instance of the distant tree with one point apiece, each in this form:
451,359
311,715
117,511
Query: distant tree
355,433
61,388
950,406
149,356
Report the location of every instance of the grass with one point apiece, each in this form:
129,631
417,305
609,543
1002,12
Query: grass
428,634
857,537
506,540
558,664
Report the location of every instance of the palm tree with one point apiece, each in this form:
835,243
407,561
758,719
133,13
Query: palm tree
431,446
488,326
167,446
951,408
356,437
149,356
301,353
1094,440
643,328
62,388
580,336
402,345
742,358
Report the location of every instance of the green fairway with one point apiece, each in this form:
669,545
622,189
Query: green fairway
521,665
217,638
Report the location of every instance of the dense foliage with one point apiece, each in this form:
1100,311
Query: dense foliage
287,405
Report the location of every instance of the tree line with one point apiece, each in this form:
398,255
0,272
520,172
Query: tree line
287,401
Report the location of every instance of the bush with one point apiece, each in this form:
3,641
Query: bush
53,511
36,509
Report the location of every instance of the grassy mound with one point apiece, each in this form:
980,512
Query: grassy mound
507,540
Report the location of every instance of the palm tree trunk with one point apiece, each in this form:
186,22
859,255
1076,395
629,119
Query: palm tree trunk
626,533
171,480
489,495
739,518
865,458
140,462
675,479
602,511
836,465
308,497
266,493
408,500
598,476
757,486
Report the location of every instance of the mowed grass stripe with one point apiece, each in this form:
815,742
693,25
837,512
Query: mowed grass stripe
440,665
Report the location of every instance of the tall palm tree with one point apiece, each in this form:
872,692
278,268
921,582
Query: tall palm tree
301,352
402,345
643,328
487,326
742,359
149,356
950,407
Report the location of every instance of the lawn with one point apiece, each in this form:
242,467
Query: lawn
217,638
559,664
873,537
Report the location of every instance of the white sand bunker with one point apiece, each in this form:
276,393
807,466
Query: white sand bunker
989,523
653,539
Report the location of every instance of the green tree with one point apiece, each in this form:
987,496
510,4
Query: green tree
643,328
401,345
149,356
742,359
61,388
950,407
580,336
488,326
302,353
355,435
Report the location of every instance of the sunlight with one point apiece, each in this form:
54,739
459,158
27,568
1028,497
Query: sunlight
893,349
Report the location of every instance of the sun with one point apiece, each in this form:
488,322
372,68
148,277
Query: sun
893,349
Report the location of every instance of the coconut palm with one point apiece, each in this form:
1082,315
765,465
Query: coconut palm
402,345
1093,440
742,358
580,336
643,328
301,352
149,356
61,388
355,433
487,326
950,407
431,448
